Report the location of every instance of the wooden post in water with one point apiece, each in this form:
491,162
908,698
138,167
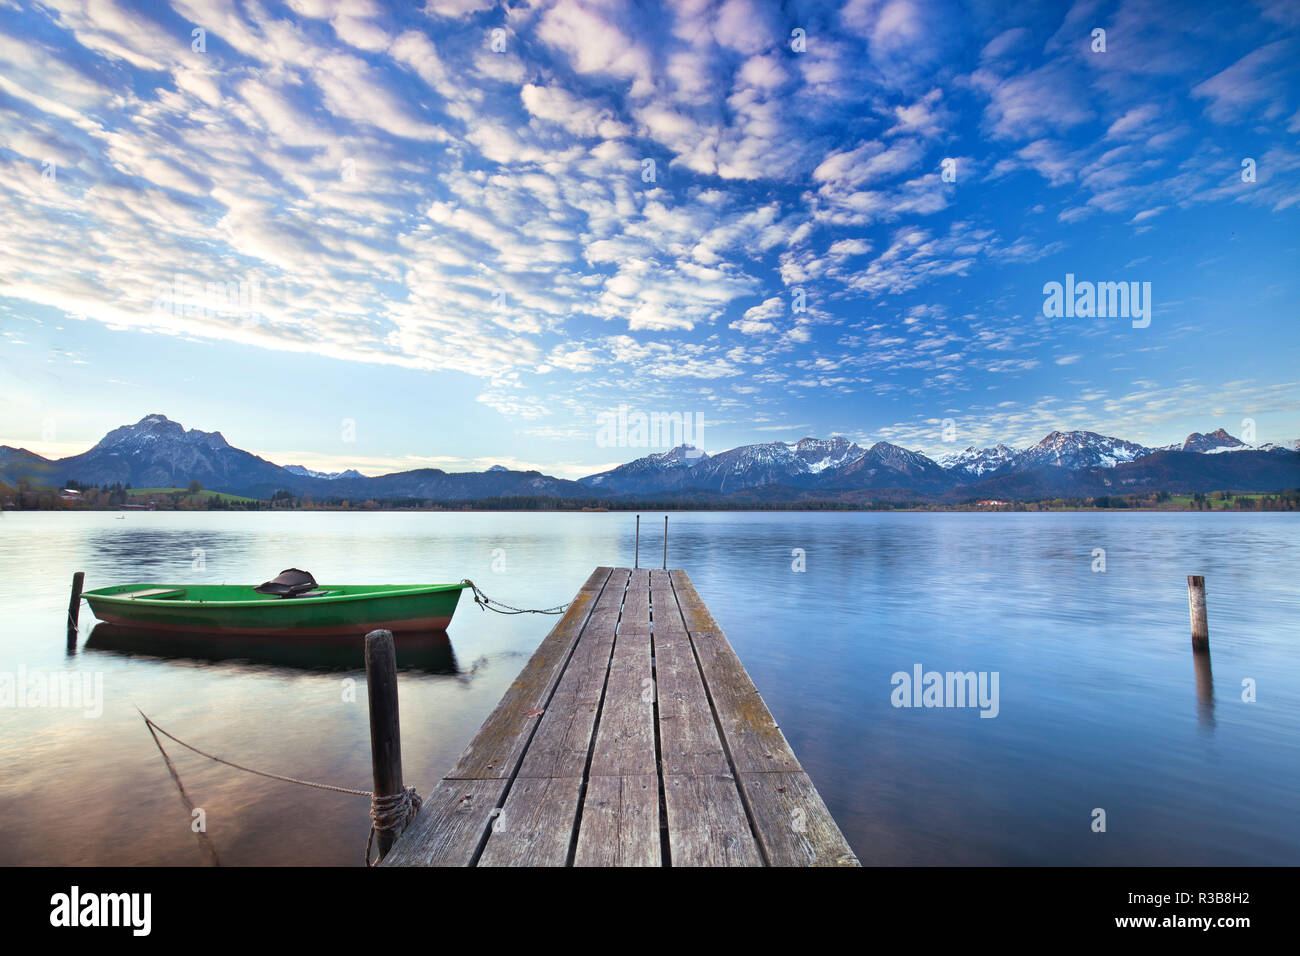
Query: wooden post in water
1196,605
665,542
385,727
74,608
636,556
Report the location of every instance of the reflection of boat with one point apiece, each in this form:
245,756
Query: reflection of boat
430,652
292,608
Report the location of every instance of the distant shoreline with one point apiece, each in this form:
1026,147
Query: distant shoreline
1216,502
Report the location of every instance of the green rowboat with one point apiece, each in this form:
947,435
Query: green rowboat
325,611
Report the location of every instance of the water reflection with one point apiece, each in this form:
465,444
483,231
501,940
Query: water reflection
1094,695
429,653
146,549
206,844
1204,688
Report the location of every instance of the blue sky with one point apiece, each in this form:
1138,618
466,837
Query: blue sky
459,248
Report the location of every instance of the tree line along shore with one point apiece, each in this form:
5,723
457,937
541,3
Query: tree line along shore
77,497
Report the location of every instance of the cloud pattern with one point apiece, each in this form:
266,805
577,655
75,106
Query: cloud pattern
735,206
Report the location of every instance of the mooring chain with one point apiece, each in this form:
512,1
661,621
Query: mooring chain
387,813
483,601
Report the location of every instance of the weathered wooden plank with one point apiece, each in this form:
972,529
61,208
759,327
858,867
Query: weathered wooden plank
535,826
450,826
733,791
665,612
789,817
753,739
636,608
625,738
693,608
751,733
688,736
611,597
563,739
597,580
605,614
604,619
620,822
499,743
792,823
706,822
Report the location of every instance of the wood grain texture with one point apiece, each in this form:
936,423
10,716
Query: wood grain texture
450,826
663,608
563,739
499,743
694,611
597,580
625,737
535,826
688,736
792,823
636,608
585,777
620,822
706,822
751,734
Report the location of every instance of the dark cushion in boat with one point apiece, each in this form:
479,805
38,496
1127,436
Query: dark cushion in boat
289,583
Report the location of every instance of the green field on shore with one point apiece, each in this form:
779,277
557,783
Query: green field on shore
219,495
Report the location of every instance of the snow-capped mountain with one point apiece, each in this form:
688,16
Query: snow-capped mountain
805,464
1079,449
327,475
1215,442
972,462
157,452
748,466
822,454
885,465
660,470
1219,441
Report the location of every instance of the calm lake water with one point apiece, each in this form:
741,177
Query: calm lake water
1101,703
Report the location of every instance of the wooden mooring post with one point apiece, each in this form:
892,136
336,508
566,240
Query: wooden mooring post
636,547
385,727
665,567
1196,606
74,608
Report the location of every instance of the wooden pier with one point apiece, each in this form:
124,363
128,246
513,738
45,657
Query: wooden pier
633,737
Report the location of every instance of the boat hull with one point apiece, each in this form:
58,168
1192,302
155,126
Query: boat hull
340,613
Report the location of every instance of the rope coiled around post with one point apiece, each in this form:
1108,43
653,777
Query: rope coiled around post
387,813
391,814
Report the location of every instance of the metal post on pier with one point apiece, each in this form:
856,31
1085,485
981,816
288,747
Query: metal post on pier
665,542
636,548
74,609
385,726
1196,606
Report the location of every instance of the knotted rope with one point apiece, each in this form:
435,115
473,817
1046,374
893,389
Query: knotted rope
387,813
485,602
391,814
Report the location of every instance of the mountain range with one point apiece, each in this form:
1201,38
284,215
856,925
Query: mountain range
157,452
